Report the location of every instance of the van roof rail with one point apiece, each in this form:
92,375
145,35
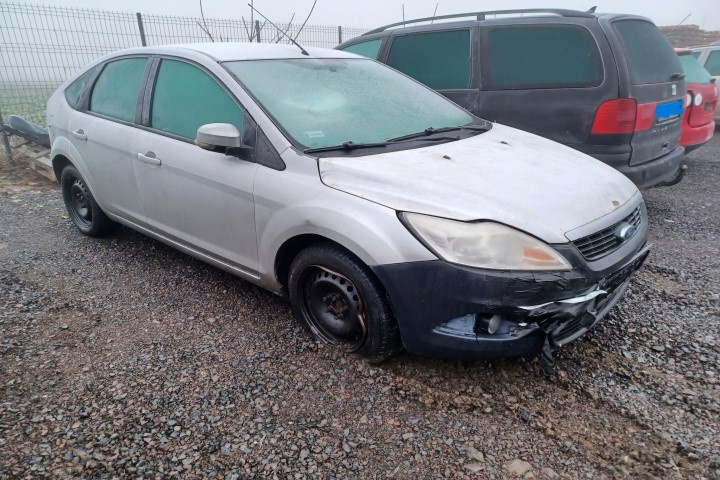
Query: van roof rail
481,16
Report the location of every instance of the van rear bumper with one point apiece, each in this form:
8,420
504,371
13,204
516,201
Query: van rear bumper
644,175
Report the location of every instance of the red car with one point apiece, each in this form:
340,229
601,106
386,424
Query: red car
698,123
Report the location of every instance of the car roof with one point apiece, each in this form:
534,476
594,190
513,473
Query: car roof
515,17
228,51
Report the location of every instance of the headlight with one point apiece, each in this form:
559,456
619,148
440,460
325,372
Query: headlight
483,244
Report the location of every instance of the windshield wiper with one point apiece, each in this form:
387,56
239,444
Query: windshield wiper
349,145
432,130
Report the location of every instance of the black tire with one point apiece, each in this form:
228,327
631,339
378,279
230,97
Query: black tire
339,300
82,208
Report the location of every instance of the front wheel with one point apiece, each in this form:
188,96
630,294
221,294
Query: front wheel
82,208
340,302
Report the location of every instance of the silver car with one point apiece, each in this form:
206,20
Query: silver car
389,216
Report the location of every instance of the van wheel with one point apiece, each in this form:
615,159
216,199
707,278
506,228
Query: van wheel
340,302
82,208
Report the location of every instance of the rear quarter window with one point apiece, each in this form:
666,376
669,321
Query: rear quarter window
551,56
74,91
368,49
649,55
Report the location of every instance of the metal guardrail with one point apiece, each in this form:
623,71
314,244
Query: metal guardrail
41,46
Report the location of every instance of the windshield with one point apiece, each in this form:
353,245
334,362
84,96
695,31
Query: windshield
325,102
694,72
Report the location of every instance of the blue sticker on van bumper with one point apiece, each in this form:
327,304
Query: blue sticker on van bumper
669,110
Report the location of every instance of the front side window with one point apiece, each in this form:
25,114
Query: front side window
712,64
325,102
649,55
186,97
555,56
368,49
440,60
116,91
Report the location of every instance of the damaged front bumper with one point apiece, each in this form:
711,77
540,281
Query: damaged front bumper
451,311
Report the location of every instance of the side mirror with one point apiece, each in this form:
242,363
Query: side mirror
222,137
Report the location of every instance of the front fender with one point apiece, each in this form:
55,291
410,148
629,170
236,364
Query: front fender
370,231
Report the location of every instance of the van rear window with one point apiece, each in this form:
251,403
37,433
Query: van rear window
649,55
551,56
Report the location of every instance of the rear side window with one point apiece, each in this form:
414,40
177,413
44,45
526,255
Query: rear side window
186,98
712,64
696,54
75,90
694,72
650,57
558,56
116,91
368,49
440,60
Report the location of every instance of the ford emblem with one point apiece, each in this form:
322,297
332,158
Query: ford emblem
625,231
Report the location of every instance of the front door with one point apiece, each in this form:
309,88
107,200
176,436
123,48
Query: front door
198,198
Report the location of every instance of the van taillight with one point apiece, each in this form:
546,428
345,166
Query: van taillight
615,117
623,116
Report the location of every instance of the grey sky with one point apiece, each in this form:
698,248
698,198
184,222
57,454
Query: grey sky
371,13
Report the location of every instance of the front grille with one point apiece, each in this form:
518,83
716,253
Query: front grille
604,242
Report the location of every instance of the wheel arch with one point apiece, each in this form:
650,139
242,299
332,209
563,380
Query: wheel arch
59,162
292,247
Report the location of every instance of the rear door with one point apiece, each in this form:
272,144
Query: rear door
103,131
546,76
653,77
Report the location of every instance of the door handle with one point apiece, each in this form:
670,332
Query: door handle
149,158
79,134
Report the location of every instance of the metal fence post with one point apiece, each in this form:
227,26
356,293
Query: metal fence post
5,141
142,29
257,30
339,34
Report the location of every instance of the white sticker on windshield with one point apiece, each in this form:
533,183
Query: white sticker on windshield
314,134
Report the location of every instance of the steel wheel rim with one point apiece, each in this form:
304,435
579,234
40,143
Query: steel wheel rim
80,202
333,307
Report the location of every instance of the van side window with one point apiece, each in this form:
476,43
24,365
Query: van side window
116,90
186,98
440,60
368,49
712,64
552,56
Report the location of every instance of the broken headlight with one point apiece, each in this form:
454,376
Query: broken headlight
483,244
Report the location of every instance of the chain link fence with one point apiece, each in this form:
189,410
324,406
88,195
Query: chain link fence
41,46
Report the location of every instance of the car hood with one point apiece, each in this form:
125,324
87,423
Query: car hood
505,175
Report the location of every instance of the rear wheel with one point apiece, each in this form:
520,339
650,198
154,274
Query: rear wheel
82,208
340,302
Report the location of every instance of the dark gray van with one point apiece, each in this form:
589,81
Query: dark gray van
608,85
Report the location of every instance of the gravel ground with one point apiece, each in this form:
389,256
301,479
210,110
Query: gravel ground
121,357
